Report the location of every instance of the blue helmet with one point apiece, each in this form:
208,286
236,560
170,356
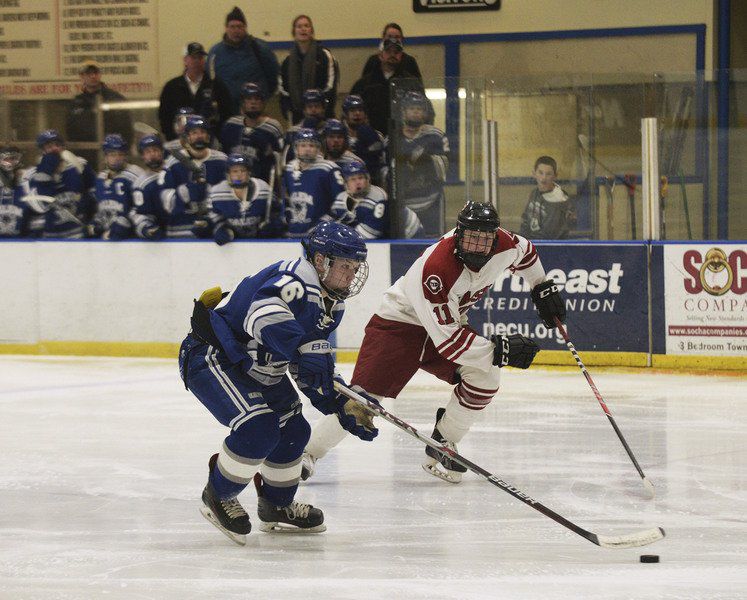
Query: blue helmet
354,167
49,135
335,240
196,122
114,143
353,101
306,134
149,140
313,96
414,99
332,126
239,160
252,90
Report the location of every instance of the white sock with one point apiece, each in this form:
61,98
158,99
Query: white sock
457,420
327,433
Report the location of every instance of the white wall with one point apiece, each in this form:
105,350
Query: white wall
141,292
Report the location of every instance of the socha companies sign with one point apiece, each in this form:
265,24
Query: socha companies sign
422,6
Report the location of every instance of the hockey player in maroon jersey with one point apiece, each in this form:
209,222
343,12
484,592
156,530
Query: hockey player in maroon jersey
422,324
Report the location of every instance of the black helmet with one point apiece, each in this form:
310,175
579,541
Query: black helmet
476,216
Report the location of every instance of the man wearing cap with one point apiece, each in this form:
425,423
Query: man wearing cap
81,117
240,57
207,96
373,87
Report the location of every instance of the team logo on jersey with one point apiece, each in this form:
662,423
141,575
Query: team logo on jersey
299,205
434,284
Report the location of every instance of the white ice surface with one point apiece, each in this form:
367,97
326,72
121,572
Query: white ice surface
104,460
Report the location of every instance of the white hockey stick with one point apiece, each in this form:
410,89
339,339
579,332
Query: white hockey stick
631,540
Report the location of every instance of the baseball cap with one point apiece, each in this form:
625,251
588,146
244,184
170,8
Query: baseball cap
89,65
194,49
391,43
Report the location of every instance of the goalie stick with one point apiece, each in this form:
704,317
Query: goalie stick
648,485
631,540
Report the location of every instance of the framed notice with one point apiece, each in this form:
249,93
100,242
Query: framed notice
423,6
705,299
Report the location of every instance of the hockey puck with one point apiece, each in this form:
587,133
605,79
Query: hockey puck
649,558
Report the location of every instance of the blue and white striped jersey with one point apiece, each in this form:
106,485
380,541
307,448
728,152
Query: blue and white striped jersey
13,210
309,194
114,195
422,162
369,215
271,314
242,214
260,143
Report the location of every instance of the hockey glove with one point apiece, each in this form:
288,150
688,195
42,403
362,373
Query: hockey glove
549,304
513,351
355,418
49,163
223,234
153,232
120,229
316,367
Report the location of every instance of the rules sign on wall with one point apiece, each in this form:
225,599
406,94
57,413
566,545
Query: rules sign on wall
422,6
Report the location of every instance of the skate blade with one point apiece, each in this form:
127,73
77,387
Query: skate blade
434,468
236,538
273,527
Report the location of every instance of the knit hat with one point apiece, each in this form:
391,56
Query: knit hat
236,15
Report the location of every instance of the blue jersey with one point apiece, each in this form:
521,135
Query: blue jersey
114,199
13,210
147,214
422,162
370,145
60,191
243,214
346,158
369,215
184,195
289,153
309,194
270,315
260,143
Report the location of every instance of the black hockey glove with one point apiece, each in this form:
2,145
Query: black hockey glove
513,351
549,304
355,418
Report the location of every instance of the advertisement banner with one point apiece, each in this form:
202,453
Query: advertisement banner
605,288
705,299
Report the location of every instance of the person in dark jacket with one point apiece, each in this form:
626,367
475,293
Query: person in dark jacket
308,66
208,97
81,116
374,86
240,57
409,63
547,211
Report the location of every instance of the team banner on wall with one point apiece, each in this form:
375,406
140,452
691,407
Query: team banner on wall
705,297
452,5
604,286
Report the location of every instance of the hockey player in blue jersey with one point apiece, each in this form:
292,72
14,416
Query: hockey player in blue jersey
59,190
240,204
335,144
314,107
310,184
237,359
365,207
254,134
180,120
421,156
364,140
13,210
114,187
189,175
147,214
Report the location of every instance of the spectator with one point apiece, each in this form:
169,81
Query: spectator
254,134
148,215
59,190
374,86
409,64
13,210
81,117
114,191
546,213
241,57
420,152
308,66
208,97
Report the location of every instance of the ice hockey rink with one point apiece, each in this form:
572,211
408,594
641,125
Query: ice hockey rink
104,461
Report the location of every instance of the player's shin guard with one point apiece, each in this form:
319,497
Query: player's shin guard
327,433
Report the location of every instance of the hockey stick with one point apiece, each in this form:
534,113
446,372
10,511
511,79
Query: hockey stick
631,540
649,486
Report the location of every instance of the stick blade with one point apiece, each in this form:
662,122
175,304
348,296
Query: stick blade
632,540
649,487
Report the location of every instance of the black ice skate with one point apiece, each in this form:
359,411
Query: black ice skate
226,514
296,517
439,464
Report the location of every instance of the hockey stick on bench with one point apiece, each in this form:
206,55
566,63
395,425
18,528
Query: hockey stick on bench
648,485
631,540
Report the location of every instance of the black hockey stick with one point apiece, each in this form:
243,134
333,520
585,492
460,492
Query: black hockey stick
631,540
649,486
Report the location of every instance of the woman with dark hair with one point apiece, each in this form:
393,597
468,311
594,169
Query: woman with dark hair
308,66
409,64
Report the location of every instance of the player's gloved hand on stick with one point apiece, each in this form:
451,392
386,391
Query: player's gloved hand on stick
549,304
223,234
49,163
355,418
153,232
513,351
316,368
